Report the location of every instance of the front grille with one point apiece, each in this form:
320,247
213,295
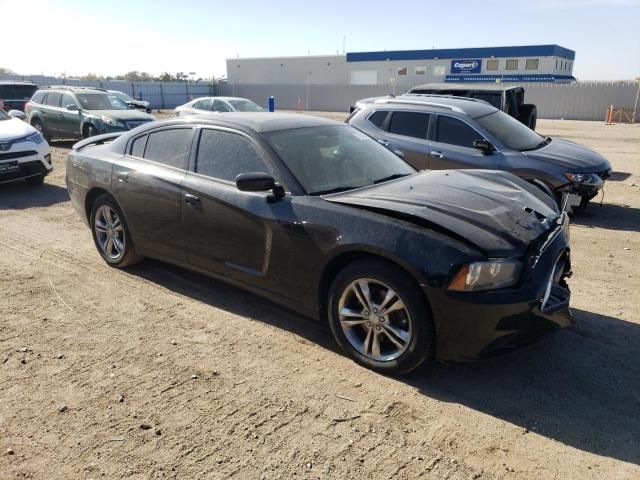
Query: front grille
11,155
27,169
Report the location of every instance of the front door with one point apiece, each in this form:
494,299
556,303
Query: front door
70,120
147,184
452,146
227,231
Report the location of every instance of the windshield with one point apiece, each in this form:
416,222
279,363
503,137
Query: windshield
511,132
4,116
245,106
101,101
335,158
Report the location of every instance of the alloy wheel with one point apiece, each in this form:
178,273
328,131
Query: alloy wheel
109,232
375,319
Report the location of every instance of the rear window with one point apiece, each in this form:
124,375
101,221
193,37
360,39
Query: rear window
17,92
410,124
53,99
378,118
38,97
169,147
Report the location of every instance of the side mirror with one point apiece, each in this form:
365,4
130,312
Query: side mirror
17,114
484,146
72,108
259,182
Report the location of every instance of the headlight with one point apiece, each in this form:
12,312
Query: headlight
489,275
35,137
591,178
112,122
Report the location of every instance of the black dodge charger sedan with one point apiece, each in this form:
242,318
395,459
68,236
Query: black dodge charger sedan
321,218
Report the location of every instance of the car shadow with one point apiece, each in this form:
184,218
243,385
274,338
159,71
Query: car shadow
618,176
19,195
612,216
578,386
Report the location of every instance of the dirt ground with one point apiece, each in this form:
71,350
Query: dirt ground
155,372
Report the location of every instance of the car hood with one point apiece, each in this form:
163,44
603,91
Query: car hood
130,114
495,211
14,128
570,157
138,102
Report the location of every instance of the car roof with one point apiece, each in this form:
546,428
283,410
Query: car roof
443,103
222,98
493,87
256,121
66,88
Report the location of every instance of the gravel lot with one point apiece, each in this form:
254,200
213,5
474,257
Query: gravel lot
155,372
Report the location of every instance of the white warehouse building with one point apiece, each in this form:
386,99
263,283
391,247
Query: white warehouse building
532,63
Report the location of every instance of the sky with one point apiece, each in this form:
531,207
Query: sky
113,37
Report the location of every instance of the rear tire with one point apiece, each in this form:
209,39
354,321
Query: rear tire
111,233
393,336
528,115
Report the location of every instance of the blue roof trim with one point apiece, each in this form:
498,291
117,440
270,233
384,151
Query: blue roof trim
541,77
454,53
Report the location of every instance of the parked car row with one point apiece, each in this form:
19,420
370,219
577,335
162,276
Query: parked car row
406,228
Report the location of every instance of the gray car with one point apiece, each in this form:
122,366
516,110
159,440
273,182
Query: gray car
444,132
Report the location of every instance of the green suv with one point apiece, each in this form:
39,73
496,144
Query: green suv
80,112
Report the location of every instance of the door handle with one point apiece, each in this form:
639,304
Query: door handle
437,154
122,177
191,200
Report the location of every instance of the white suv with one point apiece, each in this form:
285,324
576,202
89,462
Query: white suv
24,153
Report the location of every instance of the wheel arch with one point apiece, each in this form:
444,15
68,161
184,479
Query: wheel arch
91,197
342,259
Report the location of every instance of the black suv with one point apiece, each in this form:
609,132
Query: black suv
81,112
15,95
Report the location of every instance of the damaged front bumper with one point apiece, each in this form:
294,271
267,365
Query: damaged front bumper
473,325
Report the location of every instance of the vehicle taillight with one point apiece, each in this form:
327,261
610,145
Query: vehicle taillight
26,107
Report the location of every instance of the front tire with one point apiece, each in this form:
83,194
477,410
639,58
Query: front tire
379,316
111,234
90,131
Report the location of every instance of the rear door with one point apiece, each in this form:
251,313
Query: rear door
227,231
407,132
50,113
452,145
147,183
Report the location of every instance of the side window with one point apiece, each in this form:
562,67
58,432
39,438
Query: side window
204,104
137,146
378,118
410,124
53,99
220,106
169,147
67,100
455,132
226,155
38,97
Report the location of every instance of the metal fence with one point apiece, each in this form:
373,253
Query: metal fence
160,94
576,101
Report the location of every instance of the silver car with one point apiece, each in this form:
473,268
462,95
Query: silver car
217,104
